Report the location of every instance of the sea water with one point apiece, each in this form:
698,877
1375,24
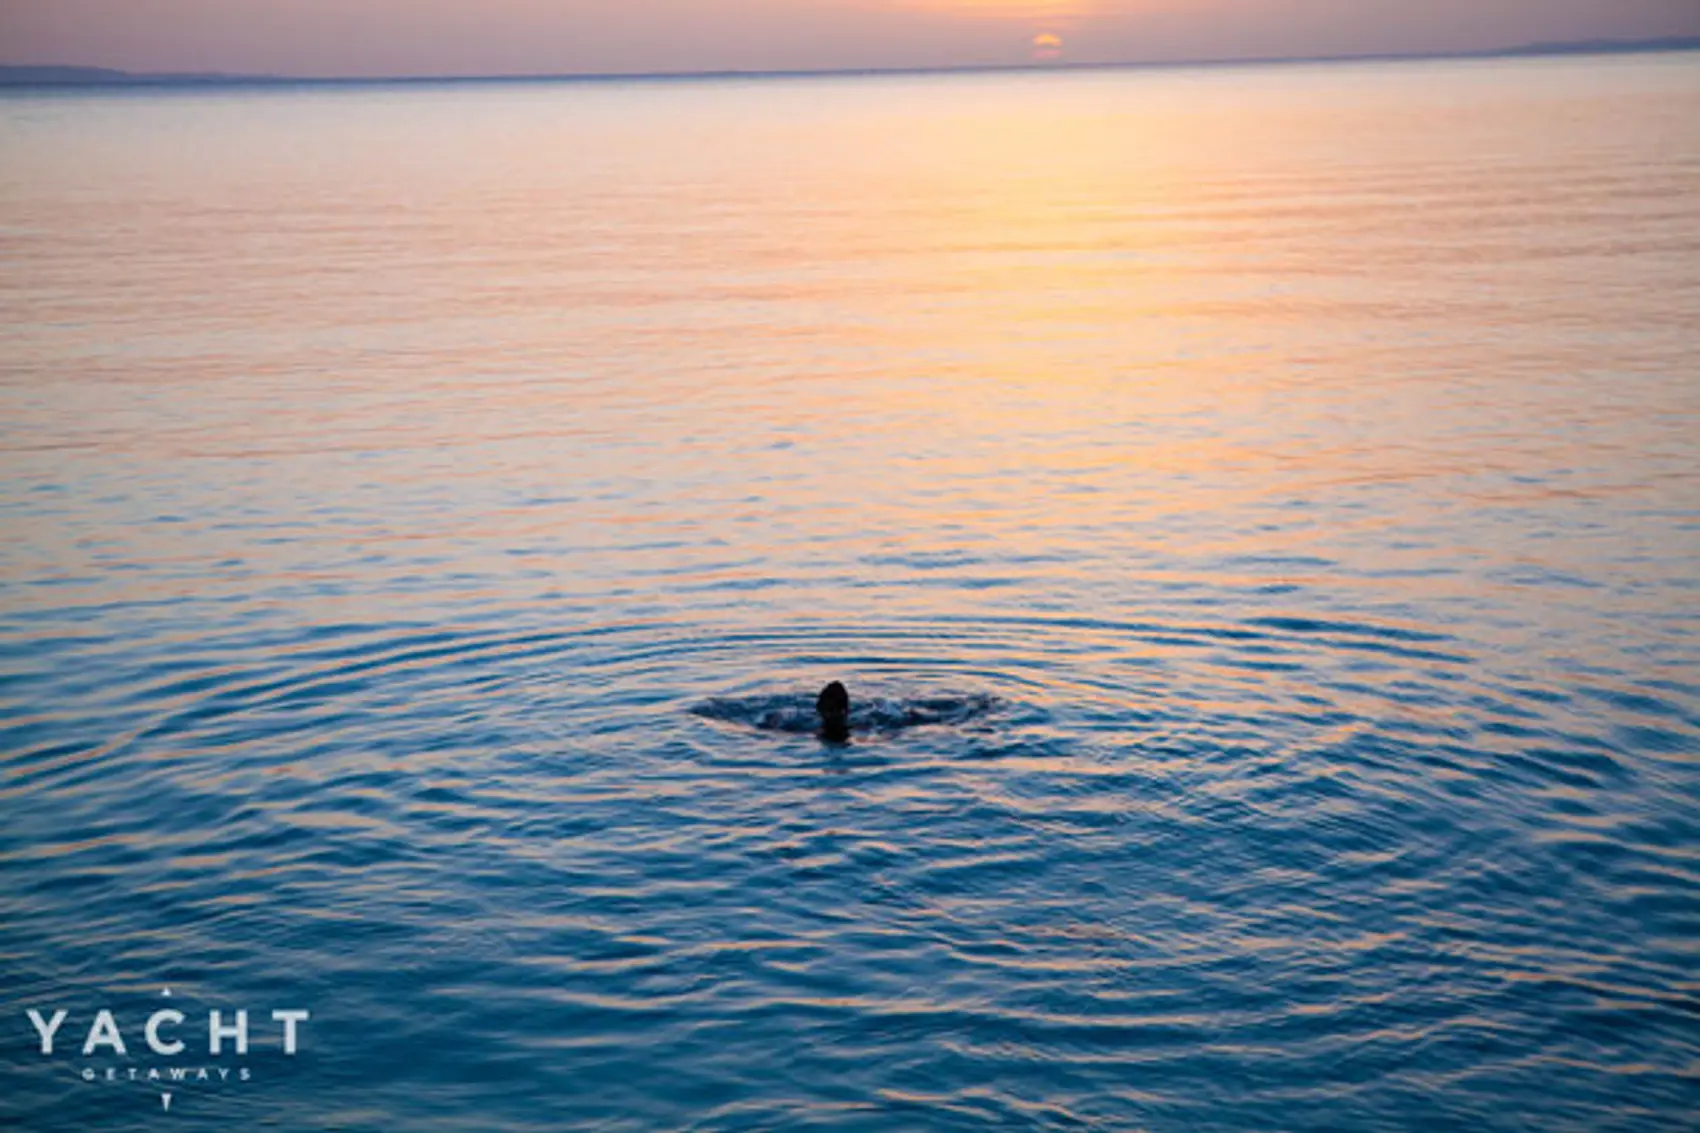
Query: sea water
418,497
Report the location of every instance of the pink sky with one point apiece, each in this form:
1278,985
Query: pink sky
398,37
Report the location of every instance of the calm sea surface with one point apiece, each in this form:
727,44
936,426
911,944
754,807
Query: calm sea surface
1287,479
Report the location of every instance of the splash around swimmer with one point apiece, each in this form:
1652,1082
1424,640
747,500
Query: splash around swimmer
833,717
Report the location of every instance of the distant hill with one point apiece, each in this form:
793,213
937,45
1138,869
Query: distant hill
1605,46
69,76
59,76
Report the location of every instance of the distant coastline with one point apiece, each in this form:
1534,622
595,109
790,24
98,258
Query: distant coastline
54,75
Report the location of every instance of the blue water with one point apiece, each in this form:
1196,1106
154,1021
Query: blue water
1255,511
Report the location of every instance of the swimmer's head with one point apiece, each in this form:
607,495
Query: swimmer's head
833,704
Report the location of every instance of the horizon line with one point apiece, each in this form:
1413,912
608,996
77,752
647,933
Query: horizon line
84,75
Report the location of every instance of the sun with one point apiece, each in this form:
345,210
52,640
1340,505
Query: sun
1047,46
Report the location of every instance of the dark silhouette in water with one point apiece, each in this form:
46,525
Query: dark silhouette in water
833,706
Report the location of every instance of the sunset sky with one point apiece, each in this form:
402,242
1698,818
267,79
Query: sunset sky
409,37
